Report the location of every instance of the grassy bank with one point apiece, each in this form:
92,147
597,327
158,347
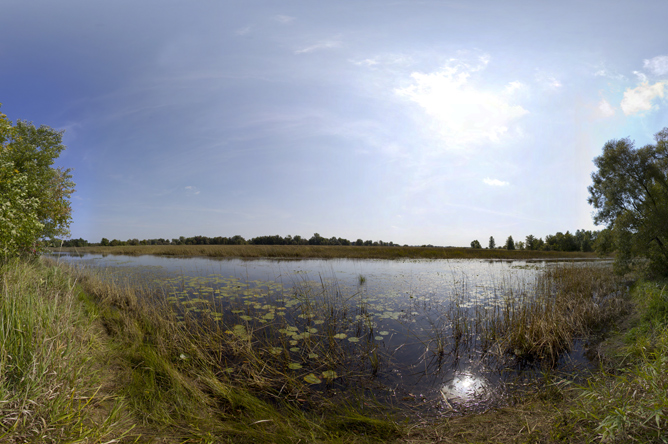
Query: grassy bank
54,383
327,252
87,361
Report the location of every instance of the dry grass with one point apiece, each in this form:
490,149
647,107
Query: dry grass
327,252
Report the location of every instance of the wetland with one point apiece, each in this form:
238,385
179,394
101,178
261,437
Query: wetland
424,337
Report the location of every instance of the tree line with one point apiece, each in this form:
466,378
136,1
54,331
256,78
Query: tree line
581,240
629,193
316,239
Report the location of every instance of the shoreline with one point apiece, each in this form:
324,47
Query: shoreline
326,252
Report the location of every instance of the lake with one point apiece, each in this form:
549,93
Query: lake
408,332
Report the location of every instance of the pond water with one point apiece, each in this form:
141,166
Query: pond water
408,327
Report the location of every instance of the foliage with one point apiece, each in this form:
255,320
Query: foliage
492,243
510,243
34,196
476,244
630,195
630,405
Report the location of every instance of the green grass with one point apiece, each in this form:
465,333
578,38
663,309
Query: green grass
627,400
327,252
52,387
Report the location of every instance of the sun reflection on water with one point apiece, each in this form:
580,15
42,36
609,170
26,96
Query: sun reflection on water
464,387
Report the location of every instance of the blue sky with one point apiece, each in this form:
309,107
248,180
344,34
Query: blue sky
412,121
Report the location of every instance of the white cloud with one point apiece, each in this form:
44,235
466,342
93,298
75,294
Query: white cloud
605,108
641,76
326,44
192,190
640,98
657,65
495,182
284,19
464,112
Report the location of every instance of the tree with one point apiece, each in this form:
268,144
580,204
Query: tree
510,243
492,244
630,195
476,244
34,196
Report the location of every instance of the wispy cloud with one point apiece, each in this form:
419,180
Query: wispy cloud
464,112
366,62
657,65
192,190
284,19
548,81
495,182
610,75
325,44
641,98
641,76
243,31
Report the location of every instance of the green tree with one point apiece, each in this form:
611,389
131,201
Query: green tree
34,196
476,244
492,243
630,195
510,243
104,242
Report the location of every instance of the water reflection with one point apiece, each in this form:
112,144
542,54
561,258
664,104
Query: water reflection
465,387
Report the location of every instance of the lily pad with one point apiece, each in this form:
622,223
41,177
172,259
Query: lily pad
354,339
329,374
340,336
312,379
294,366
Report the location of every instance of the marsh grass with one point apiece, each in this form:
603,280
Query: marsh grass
52,388
194,373
627,400
539,321
325,252
198,375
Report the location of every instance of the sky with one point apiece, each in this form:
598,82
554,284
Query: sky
417,122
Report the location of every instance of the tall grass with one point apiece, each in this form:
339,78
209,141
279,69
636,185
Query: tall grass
325,252
52,388
200,379
541,321
88,360
627,402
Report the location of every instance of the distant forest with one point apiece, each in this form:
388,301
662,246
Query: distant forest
581,240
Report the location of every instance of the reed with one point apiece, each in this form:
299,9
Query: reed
194,370
326,252
541,320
